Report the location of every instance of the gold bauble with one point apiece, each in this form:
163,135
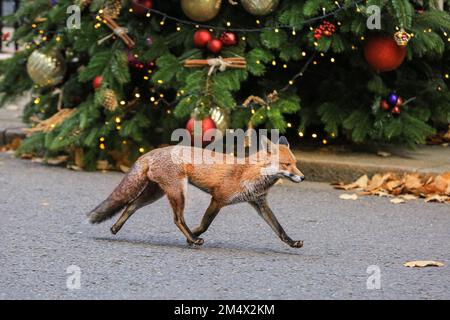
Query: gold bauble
46,69
221,118
201,10
259,7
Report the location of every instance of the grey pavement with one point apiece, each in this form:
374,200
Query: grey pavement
43,232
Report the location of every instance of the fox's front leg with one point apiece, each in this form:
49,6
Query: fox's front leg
208,217
264,211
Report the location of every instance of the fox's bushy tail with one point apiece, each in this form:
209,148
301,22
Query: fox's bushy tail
129,189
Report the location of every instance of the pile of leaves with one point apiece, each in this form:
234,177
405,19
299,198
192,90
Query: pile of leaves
409,186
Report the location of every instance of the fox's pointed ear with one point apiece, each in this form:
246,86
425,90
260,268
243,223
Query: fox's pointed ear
283,141
267,145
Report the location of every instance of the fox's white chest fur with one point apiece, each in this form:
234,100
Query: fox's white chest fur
253,189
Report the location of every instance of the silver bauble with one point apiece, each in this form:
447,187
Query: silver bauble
259,7
201,10
46,69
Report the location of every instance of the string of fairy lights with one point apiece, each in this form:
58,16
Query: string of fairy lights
158,98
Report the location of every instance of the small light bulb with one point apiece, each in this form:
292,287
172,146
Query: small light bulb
300,134
141,150
314,135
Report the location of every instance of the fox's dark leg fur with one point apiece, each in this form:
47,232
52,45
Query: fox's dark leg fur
264,211
129,189
208,218
151,193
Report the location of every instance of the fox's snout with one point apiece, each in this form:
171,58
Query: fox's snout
295,178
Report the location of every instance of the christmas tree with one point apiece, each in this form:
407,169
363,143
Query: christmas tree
116,83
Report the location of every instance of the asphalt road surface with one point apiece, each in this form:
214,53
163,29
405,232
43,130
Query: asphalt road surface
49,251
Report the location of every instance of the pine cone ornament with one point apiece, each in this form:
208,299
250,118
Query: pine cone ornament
83,3
110,100
112,8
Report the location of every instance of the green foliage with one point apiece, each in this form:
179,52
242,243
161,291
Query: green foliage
339,93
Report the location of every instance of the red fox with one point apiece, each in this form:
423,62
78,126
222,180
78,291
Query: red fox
156,173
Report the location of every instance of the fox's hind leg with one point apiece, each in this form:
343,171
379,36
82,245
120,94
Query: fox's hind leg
150,194
175,194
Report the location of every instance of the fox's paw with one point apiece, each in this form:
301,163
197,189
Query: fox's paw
197,242
296,244
114,230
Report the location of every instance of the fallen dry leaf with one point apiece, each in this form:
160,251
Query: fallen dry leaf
346,196
413,183
422,264
57,160
437,198
361,183
408,196
398,200
378,180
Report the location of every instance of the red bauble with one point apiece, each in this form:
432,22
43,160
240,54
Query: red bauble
202,37
200,127
228,38
395,111
141,7
383,54
97,82
215,46
384,105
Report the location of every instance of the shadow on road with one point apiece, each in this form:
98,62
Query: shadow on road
216,247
